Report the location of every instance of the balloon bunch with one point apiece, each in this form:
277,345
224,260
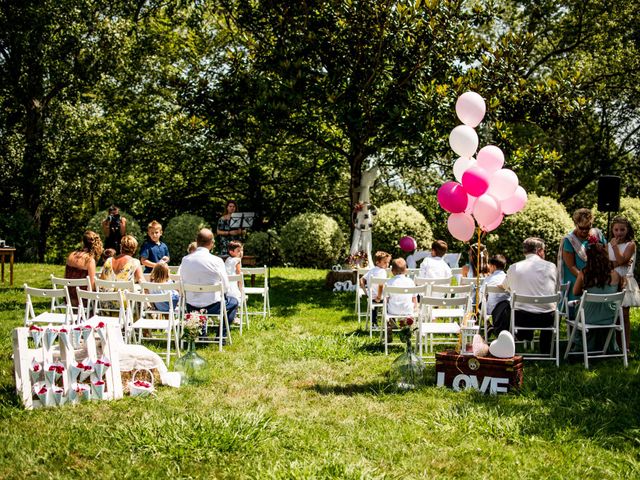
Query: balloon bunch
484,191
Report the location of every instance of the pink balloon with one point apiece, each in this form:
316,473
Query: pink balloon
471,201
461,226
494,225
475,181
463,140
515,202
452,197
503,184
490,158
408,244
470,108
486,210
462,165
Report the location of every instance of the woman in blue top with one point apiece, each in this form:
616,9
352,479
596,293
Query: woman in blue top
573,249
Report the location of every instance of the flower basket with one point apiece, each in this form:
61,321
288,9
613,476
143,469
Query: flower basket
139,387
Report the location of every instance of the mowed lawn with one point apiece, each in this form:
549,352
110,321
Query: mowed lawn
305,394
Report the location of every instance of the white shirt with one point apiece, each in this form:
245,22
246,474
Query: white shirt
375,272
623,270
402,303
434,267
532,276
495,279
230,265
202,268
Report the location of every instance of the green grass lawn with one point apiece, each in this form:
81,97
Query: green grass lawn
305,395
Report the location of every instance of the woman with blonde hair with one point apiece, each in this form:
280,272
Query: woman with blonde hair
82,262
123,266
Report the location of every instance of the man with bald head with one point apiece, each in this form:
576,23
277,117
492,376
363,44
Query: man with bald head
203,268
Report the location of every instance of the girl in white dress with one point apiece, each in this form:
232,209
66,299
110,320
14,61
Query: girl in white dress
622,252
233,265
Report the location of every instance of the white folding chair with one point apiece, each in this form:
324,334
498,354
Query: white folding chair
114,285
563,304
173,268
360,292
148,318
484,296
147,277
387,317
214,320
456,271
432,329
99,307
53,296
412,273
554,351
429,282
580,324
175,277
263,290
373,285
66,284
242,314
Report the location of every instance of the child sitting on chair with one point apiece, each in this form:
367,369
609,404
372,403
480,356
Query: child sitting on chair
401,303
381,260
233,265
160,274
434,266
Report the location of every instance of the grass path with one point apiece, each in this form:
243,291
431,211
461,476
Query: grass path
305,395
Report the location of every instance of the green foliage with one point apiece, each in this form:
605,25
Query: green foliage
180,232
20,231
133,228
312,240
394,221
542,217
257,244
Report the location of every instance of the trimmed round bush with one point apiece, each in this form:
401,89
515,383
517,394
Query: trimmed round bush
542,217
395,220
312,240
257,245
179,232
133,227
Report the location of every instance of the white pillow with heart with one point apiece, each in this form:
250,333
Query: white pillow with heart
480,349
504,346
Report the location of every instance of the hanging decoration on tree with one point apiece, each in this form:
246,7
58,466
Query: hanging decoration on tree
362,218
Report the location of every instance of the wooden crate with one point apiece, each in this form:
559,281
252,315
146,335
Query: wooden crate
486,374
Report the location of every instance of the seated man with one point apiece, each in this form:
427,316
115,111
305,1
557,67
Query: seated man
434,266
536,277
203,268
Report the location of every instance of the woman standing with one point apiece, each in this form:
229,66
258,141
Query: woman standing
224,230
82,262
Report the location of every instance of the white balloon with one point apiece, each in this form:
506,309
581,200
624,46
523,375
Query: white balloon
461,165
470,108
486,210
463,140
491,158
503,184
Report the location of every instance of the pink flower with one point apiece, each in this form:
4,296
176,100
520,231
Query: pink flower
35,327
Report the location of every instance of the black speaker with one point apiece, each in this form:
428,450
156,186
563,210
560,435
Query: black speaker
609,193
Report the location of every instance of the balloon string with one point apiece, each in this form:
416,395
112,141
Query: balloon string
478,255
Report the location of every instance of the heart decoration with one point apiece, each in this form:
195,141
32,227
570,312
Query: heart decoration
504,346
480,348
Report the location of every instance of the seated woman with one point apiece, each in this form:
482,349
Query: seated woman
123,266
160,274
597,276
82,262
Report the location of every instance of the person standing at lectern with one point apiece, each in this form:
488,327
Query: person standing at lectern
226,231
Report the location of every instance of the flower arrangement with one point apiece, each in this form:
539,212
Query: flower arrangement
358,260
407,327
193,325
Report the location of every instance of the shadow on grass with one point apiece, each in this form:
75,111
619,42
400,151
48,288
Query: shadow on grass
352,389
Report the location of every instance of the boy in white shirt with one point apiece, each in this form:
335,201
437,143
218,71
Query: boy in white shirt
401,304
381,260
434,266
